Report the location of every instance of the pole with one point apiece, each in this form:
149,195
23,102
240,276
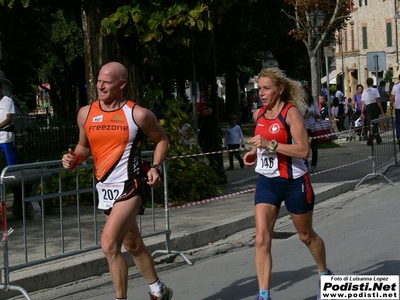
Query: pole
328,102
217,144
194,96
343,81
318,66
397,38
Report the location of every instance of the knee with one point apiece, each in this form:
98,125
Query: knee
134,248
263,242
307,238
110,247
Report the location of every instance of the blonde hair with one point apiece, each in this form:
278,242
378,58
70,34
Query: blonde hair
292,92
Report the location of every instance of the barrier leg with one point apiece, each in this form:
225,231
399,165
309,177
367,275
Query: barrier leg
16,288
374,174
169,251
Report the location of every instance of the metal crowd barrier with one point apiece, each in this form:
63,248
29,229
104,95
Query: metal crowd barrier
383,147
53,230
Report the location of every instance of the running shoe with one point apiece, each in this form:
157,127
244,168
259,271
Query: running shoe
319,284
166,293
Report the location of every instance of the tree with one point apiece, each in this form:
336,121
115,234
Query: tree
305,15
49,49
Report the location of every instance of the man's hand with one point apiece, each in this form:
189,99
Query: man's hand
153,178
70,160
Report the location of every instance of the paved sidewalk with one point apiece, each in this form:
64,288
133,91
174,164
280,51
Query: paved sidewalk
338,171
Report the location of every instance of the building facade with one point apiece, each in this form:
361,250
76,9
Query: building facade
367,46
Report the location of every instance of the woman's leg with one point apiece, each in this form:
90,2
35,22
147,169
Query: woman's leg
303,225
265,218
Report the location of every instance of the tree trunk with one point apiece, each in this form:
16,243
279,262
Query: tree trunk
100,49
314,76
232,93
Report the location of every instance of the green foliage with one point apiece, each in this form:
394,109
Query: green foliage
153,20
10,3
189,178
389,75
68,183
389,78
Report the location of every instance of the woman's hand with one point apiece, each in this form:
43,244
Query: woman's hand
250,158
259,142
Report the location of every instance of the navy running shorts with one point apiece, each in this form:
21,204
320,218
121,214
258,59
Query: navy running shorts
297,193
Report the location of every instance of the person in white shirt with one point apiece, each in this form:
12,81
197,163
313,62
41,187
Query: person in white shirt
395,103
312,114
7,111
339,94
370,98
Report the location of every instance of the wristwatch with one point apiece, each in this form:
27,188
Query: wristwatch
272,145
158,168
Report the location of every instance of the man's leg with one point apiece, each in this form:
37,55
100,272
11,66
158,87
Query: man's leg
397,113
119,223
10,153
135,246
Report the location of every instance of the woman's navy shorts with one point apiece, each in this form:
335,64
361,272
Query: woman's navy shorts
297,193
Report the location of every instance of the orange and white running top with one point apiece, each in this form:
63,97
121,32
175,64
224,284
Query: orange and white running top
115,142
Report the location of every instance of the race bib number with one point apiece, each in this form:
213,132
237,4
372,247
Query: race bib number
267,163
108,193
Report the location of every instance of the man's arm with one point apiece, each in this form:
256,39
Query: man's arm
150,126
379,102
7,121
82,149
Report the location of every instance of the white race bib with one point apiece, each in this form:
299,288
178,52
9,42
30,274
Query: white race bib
267,163
108,193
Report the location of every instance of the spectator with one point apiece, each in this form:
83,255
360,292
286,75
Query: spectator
233,139
395,103
350,112
311,116
372,102
7,111
323,110
383,93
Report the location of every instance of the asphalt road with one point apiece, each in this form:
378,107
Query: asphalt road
360,229
230,219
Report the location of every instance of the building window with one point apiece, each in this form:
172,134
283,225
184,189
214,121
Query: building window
364,36
366,2
359,3
389,34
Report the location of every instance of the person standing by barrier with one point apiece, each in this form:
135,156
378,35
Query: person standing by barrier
357,101
112,129
7,111
280,153
383,93
233,139
311,116
395,104
371,100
